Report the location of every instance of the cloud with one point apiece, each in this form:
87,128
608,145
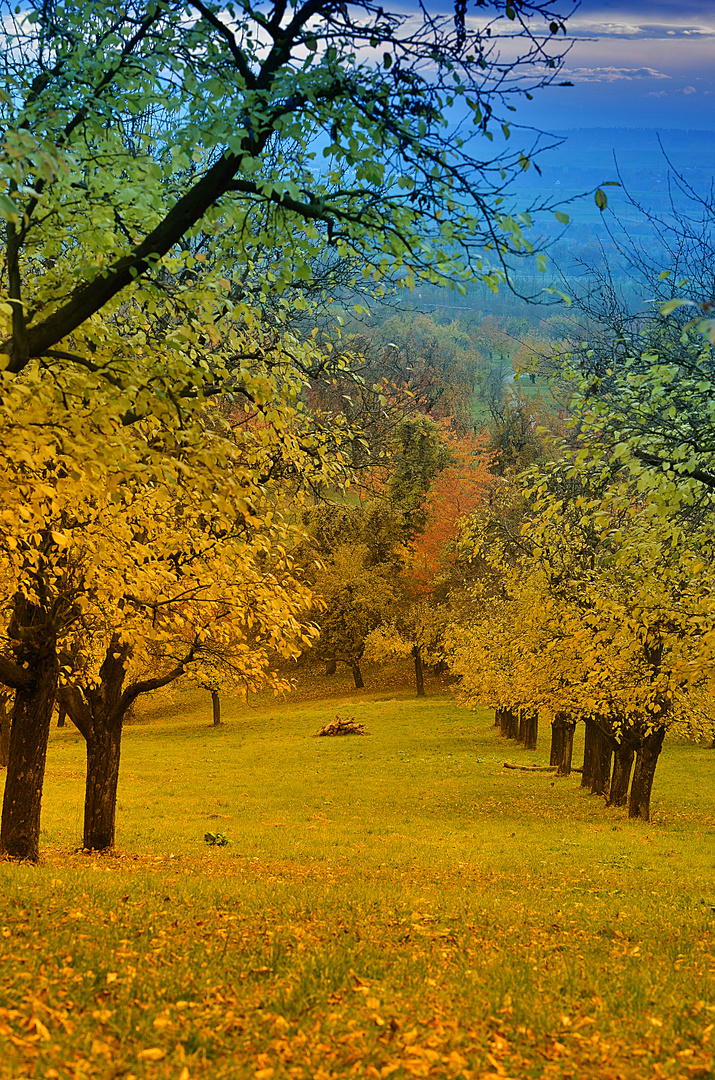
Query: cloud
580,27
687,90
611,74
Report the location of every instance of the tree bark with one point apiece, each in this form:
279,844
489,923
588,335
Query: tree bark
531,728
622,765
589,741
509,724
29,732
331,667
601,766
61,714
357,675
520,723
419,673
100,798
4,732
647,756
562,732
216,706
557,739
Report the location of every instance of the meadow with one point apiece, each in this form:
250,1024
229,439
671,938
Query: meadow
391,905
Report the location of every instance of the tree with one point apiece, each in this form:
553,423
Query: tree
223,612
415,632
463,484
101,522
356,553
196,112
129,130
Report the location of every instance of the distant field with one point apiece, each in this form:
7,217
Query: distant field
395,905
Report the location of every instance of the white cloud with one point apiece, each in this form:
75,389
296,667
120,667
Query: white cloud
580,27
611,74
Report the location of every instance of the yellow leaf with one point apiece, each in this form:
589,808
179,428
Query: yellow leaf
112,976
152,1053
264,1074
39,1028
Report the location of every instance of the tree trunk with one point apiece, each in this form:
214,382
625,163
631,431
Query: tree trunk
61,714
100,799
622,765
357,675
531,728
589,746
497,718
419,673
4,732
646,760
520,726
331,667
509,724
216,706
601,769
562,732
557,740
29,732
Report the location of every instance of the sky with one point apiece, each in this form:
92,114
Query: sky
634,63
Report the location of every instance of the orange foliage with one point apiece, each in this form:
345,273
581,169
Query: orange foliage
459,489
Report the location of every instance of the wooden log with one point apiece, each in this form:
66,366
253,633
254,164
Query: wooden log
531,768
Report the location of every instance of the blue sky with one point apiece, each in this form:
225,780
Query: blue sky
634,63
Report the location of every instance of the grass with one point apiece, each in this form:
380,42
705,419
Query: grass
396,905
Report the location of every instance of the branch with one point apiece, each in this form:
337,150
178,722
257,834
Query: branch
702,475
229,37
14,676
71,700
146,686
531,768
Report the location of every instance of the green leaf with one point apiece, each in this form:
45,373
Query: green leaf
670,305
8,209
600,199
560,216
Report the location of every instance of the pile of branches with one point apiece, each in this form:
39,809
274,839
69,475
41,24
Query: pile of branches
342,726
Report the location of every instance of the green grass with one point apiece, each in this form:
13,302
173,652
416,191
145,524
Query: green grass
395,905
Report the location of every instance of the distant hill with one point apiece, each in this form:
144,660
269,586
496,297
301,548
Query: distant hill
588,157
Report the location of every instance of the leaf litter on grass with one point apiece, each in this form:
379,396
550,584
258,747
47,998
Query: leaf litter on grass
218,967
440,922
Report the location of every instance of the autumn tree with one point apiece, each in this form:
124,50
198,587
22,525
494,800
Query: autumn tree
225,611
126,129
352,557
103,523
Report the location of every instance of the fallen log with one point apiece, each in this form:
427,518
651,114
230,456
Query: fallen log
531,768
